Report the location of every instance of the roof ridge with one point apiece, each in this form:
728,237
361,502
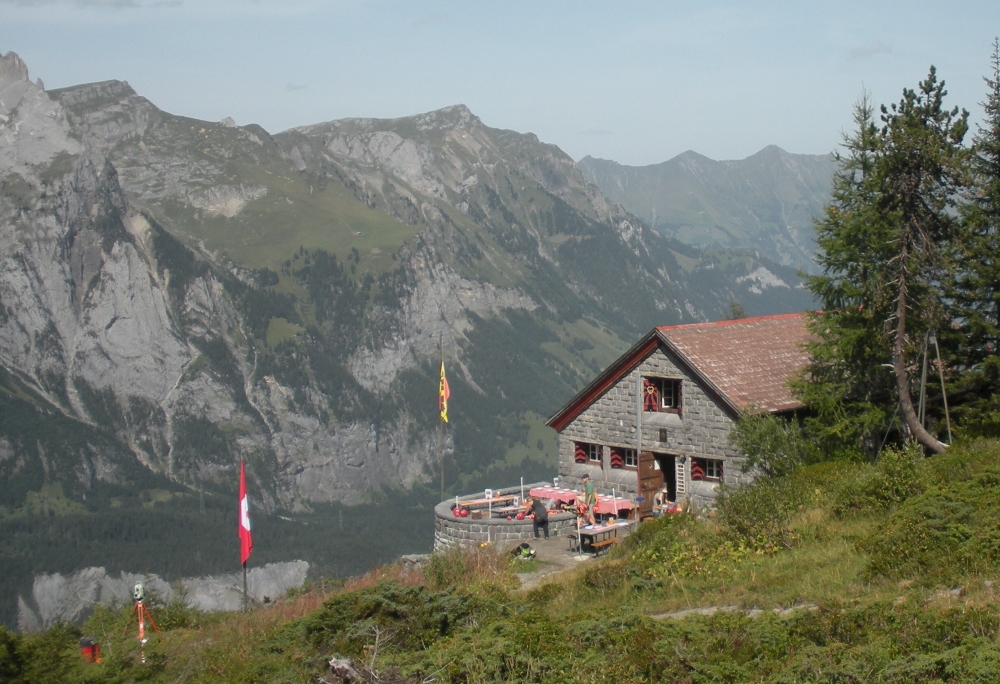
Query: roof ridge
731,321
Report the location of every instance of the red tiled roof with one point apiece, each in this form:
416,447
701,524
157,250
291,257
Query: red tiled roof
745,362
748,361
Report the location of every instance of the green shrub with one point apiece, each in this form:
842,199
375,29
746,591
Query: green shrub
11,658
464,566
945,532
760,514
773,446
883,486
401,617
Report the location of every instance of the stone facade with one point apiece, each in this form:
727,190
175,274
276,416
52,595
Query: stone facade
452,532
700,430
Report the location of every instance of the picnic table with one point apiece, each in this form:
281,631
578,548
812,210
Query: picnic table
557,493
503,511
601,537
611,505
484,503
606,505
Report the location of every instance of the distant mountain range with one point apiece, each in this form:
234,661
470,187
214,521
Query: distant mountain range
178,294
766,202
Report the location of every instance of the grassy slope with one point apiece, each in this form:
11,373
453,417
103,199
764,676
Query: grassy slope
923,610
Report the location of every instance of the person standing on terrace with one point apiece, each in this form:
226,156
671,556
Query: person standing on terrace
589,499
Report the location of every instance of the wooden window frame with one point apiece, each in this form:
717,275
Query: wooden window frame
670,394
624,455
712,467
593,449
635,458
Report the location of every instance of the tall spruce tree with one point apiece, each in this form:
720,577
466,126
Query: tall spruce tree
976,294
845,385
885,241
921,170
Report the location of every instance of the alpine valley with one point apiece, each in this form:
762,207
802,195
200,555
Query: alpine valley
177,294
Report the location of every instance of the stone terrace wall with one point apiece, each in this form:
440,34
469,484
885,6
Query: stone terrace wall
451,532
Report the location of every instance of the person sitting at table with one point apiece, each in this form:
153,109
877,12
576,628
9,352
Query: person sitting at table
540,515
661,501
589,498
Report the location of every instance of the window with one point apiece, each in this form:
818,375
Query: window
624,458
708,469
631,458
661,394
588,453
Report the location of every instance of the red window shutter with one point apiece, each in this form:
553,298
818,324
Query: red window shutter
651,396
617,461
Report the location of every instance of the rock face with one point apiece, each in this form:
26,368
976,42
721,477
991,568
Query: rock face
204,292
57,598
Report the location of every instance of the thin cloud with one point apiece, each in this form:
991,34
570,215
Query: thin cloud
110,4
870,50
429,19
596,131
293,87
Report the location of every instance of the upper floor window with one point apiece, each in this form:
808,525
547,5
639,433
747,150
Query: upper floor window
661,394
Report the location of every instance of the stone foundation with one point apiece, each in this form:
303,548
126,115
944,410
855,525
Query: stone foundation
451,532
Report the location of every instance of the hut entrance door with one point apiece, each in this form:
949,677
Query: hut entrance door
650,480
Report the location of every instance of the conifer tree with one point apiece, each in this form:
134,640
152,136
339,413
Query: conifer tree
977,285
920,172
845,383
885,239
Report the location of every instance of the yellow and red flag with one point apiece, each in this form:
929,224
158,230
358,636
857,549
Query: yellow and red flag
443,393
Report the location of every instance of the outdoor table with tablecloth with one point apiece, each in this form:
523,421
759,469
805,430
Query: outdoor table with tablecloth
606,505
561,495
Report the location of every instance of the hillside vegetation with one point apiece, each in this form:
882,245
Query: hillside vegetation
838,572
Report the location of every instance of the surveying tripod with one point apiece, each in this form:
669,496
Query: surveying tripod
142,614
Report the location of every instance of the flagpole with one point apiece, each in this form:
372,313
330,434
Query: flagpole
245,600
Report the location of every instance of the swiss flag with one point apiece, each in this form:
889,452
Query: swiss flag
246,539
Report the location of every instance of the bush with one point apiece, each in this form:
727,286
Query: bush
401,617
884,486
759,514
463,566
945,532
773,446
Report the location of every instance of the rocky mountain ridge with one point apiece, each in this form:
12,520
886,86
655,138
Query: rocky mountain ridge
766,202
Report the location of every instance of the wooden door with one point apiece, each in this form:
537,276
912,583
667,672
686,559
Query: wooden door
650,481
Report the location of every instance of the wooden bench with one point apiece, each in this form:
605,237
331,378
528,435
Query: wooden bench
604,544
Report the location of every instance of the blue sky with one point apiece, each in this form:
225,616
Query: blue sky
637,82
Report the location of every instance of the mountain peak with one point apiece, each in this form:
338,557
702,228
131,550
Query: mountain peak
13,68
769,151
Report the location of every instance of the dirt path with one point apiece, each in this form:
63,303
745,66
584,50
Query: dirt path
554,557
